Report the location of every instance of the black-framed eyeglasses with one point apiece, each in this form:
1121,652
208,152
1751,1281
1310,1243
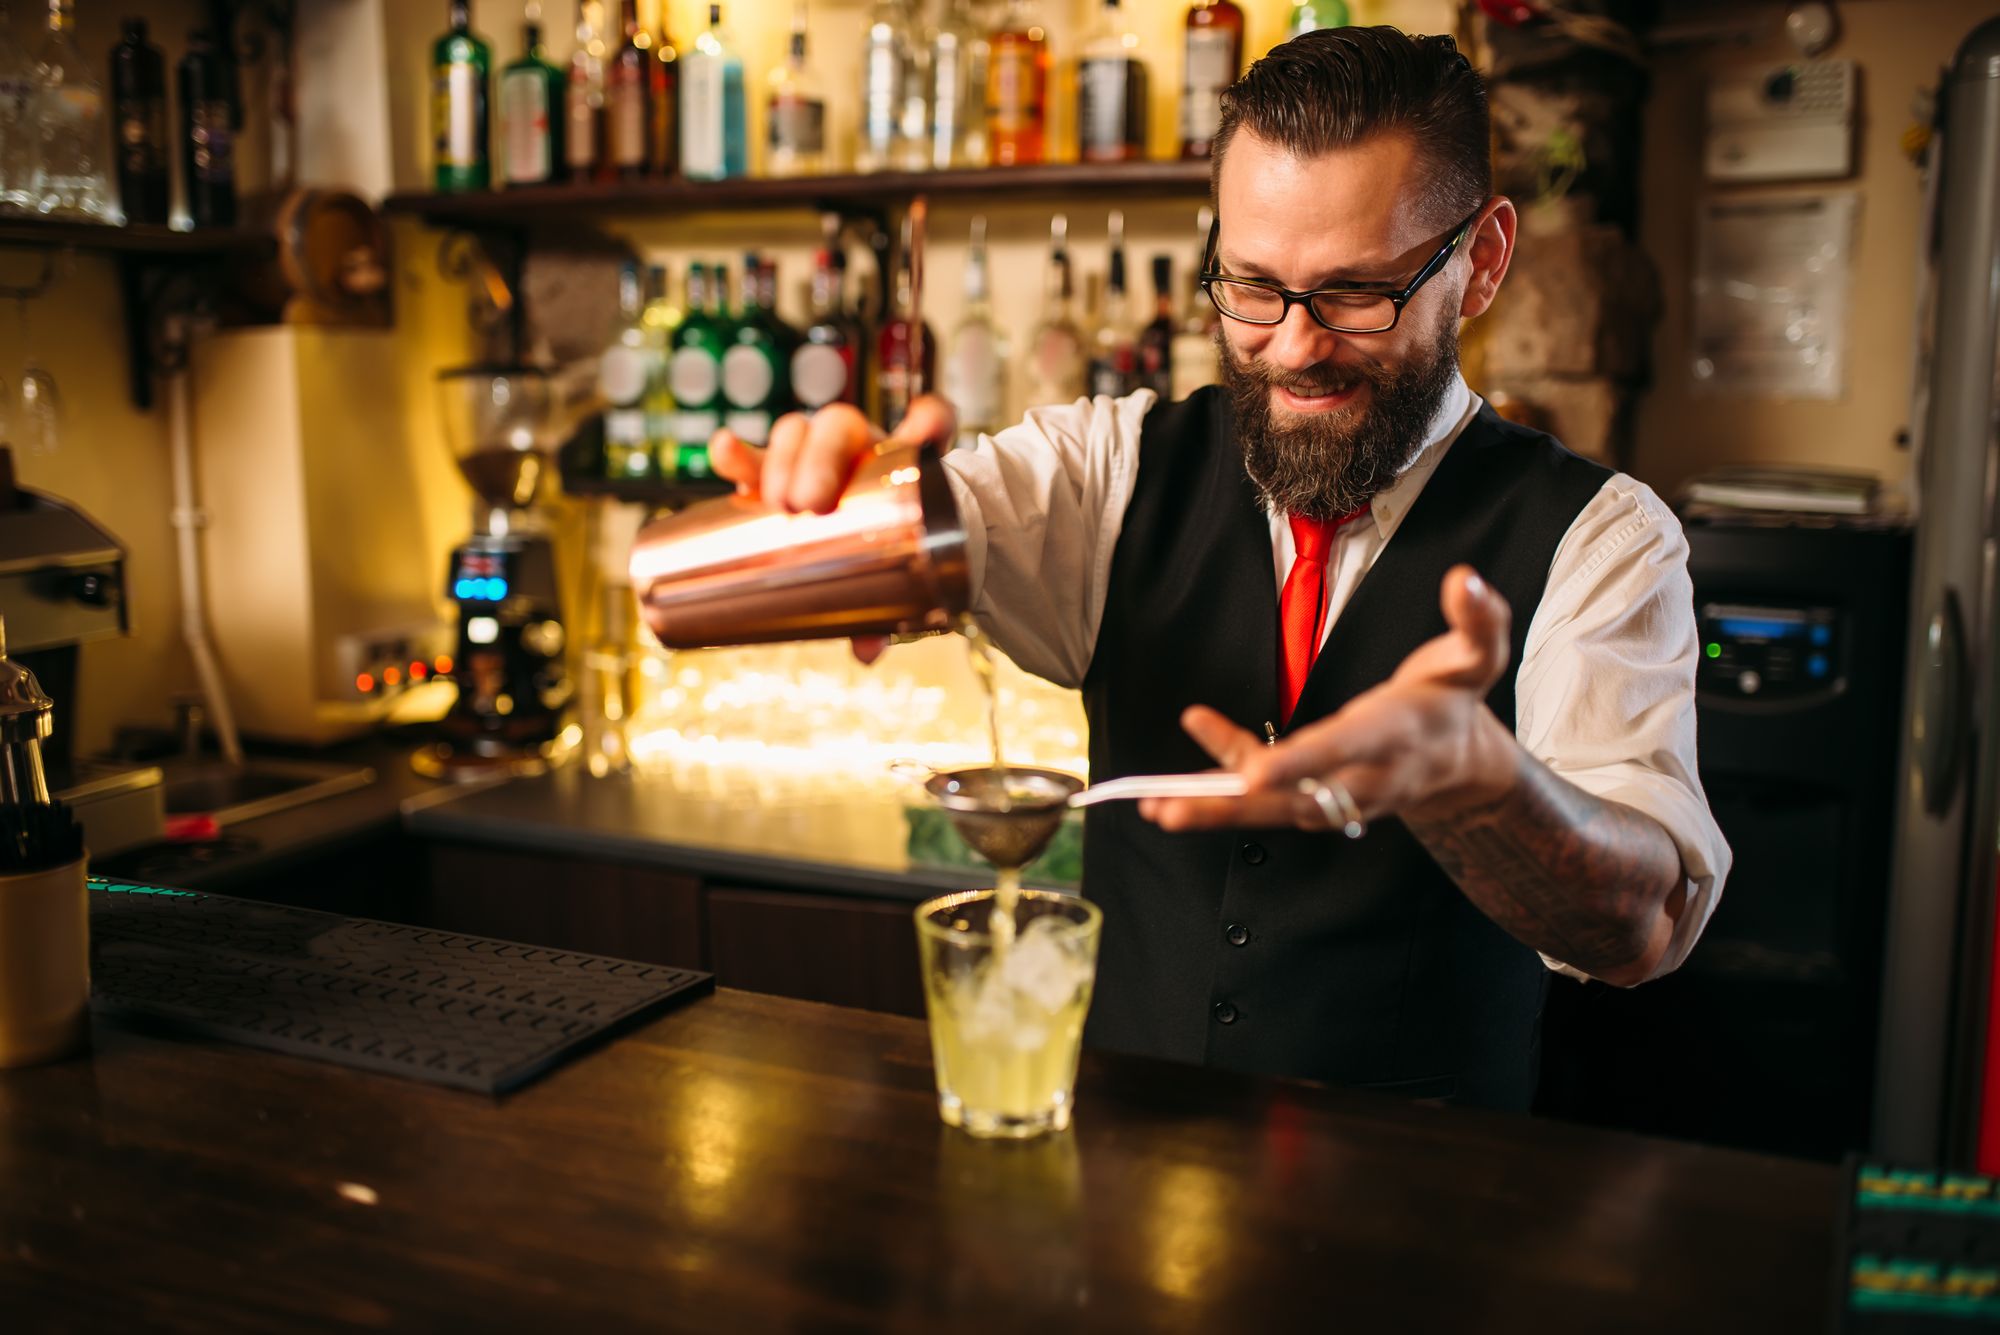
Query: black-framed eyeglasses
1355,308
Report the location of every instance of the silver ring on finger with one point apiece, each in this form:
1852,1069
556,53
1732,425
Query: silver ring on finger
1336,804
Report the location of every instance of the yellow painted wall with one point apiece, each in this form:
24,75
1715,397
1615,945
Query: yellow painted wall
1899,46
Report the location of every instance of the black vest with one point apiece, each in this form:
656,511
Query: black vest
1277,951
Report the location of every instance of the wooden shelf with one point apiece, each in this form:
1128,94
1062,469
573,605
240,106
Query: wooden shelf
525,206
133,239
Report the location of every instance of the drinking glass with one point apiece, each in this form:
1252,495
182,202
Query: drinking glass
1006,1025
39,428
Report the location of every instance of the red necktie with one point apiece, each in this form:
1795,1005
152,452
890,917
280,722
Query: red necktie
1302,609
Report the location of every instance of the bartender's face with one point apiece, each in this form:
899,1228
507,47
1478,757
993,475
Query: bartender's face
1327,419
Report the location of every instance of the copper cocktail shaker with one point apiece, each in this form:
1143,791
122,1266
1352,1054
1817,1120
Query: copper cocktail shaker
889,560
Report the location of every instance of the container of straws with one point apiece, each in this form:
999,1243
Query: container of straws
44,906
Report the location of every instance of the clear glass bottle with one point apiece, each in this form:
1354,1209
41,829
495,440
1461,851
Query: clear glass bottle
1212,58
1111,91
623,371
1114,346
661,318
885,69
531,109
1017,88
139,111
795,111
1194,356
975,369
713,143
584,152
1055,364
1311,15
66,119
957,103
460,63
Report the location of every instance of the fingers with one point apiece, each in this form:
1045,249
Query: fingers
834,438
736,459
1230,745
788,438
928,421
1473,651
1254,811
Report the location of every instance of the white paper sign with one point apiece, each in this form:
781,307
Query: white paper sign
1770,295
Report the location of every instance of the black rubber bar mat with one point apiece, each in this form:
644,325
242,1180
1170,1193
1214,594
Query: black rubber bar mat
452,1009
1919,1252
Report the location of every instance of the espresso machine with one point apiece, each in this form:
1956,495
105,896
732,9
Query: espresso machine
504,425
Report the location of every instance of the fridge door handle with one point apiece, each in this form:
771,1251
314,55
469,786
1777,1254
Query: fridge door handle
1940,719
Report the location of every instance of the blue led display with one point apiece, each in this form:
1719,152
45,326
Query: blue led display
476,590
1758,628
1818,666
1822,636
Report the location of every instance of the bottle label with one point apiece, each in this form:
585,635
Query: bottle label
456,115
524,106
580,144
1211,67
1018,99
797,125
625,116
753,427
694,377
1110,107
701,118
211,142
972,379
621,375
747,377
819,375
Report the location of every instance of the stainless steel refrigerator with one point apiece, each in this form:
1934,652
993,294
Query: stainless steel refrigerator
1937,1092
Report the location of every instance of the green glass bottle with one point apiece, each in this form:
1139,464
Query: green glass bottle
1309,15
661,319
694,371
532,109
752,379
460,63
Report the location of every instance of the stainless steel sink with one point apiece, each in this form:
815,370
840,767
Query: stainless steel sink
232,793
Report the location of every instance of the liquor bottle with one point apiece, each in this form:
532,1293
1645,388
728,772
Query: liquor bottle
628,97
624,371
694,372
1017,88
1213,59
1056,363
1111,92
139,111
752,368
1311,15
1194,357
885,68
713,143
65,121
905,351
975,371
662,317
953,104
1156,340
826,364
532,109
208,144
460,62
17,85
584,148
1114,357
787,336
795,112
664,134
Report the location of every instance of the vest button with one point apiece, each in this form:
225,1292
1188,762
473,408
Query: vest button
1237,934
1253,854
1225,1013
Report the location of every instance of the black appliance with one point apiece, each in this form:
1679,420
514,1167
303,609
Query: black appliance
1765,1037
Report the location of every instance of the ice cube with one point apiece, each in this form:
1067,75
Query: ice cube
1040,966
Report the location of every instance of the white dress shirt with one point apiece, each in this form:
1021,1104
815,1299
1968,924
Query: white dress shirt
1604,695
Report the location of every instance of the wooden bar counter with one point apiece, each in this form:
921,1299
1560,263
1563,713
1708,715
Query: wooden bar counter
747,1163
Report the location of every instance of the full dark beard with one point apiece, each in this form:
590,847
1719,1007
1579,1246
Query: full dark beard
1331,464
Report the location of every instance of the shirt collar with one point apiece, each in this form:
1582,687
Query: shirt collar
1394,502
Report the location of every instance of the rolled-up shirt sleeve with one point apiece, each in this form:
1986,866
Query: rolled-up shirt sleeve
1042,504
1605,692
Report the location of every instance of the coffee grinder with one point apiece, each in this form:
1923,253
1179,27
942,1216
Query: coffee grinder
504,425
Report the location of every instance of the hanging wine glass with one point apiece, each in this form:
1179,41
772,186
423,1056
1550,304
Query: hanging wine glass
39,429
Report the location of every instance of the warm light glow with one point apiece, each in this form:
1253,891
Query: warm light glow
482,630
417,670
442,663
392,676
723,547
364,682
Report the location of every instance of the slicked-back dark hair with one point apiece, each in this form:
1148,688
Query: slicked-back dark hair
1335,87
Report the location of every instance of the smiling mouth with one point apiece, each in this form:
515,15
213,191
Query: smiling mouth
1302,399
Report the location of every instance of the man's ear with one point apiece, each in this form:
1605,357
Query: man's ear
1492,248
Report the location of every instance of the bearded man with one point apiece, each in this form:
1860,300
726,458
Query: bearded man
1340,574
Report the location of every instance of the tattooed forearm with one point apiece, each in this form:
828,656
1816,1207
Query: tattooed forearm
1580,879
